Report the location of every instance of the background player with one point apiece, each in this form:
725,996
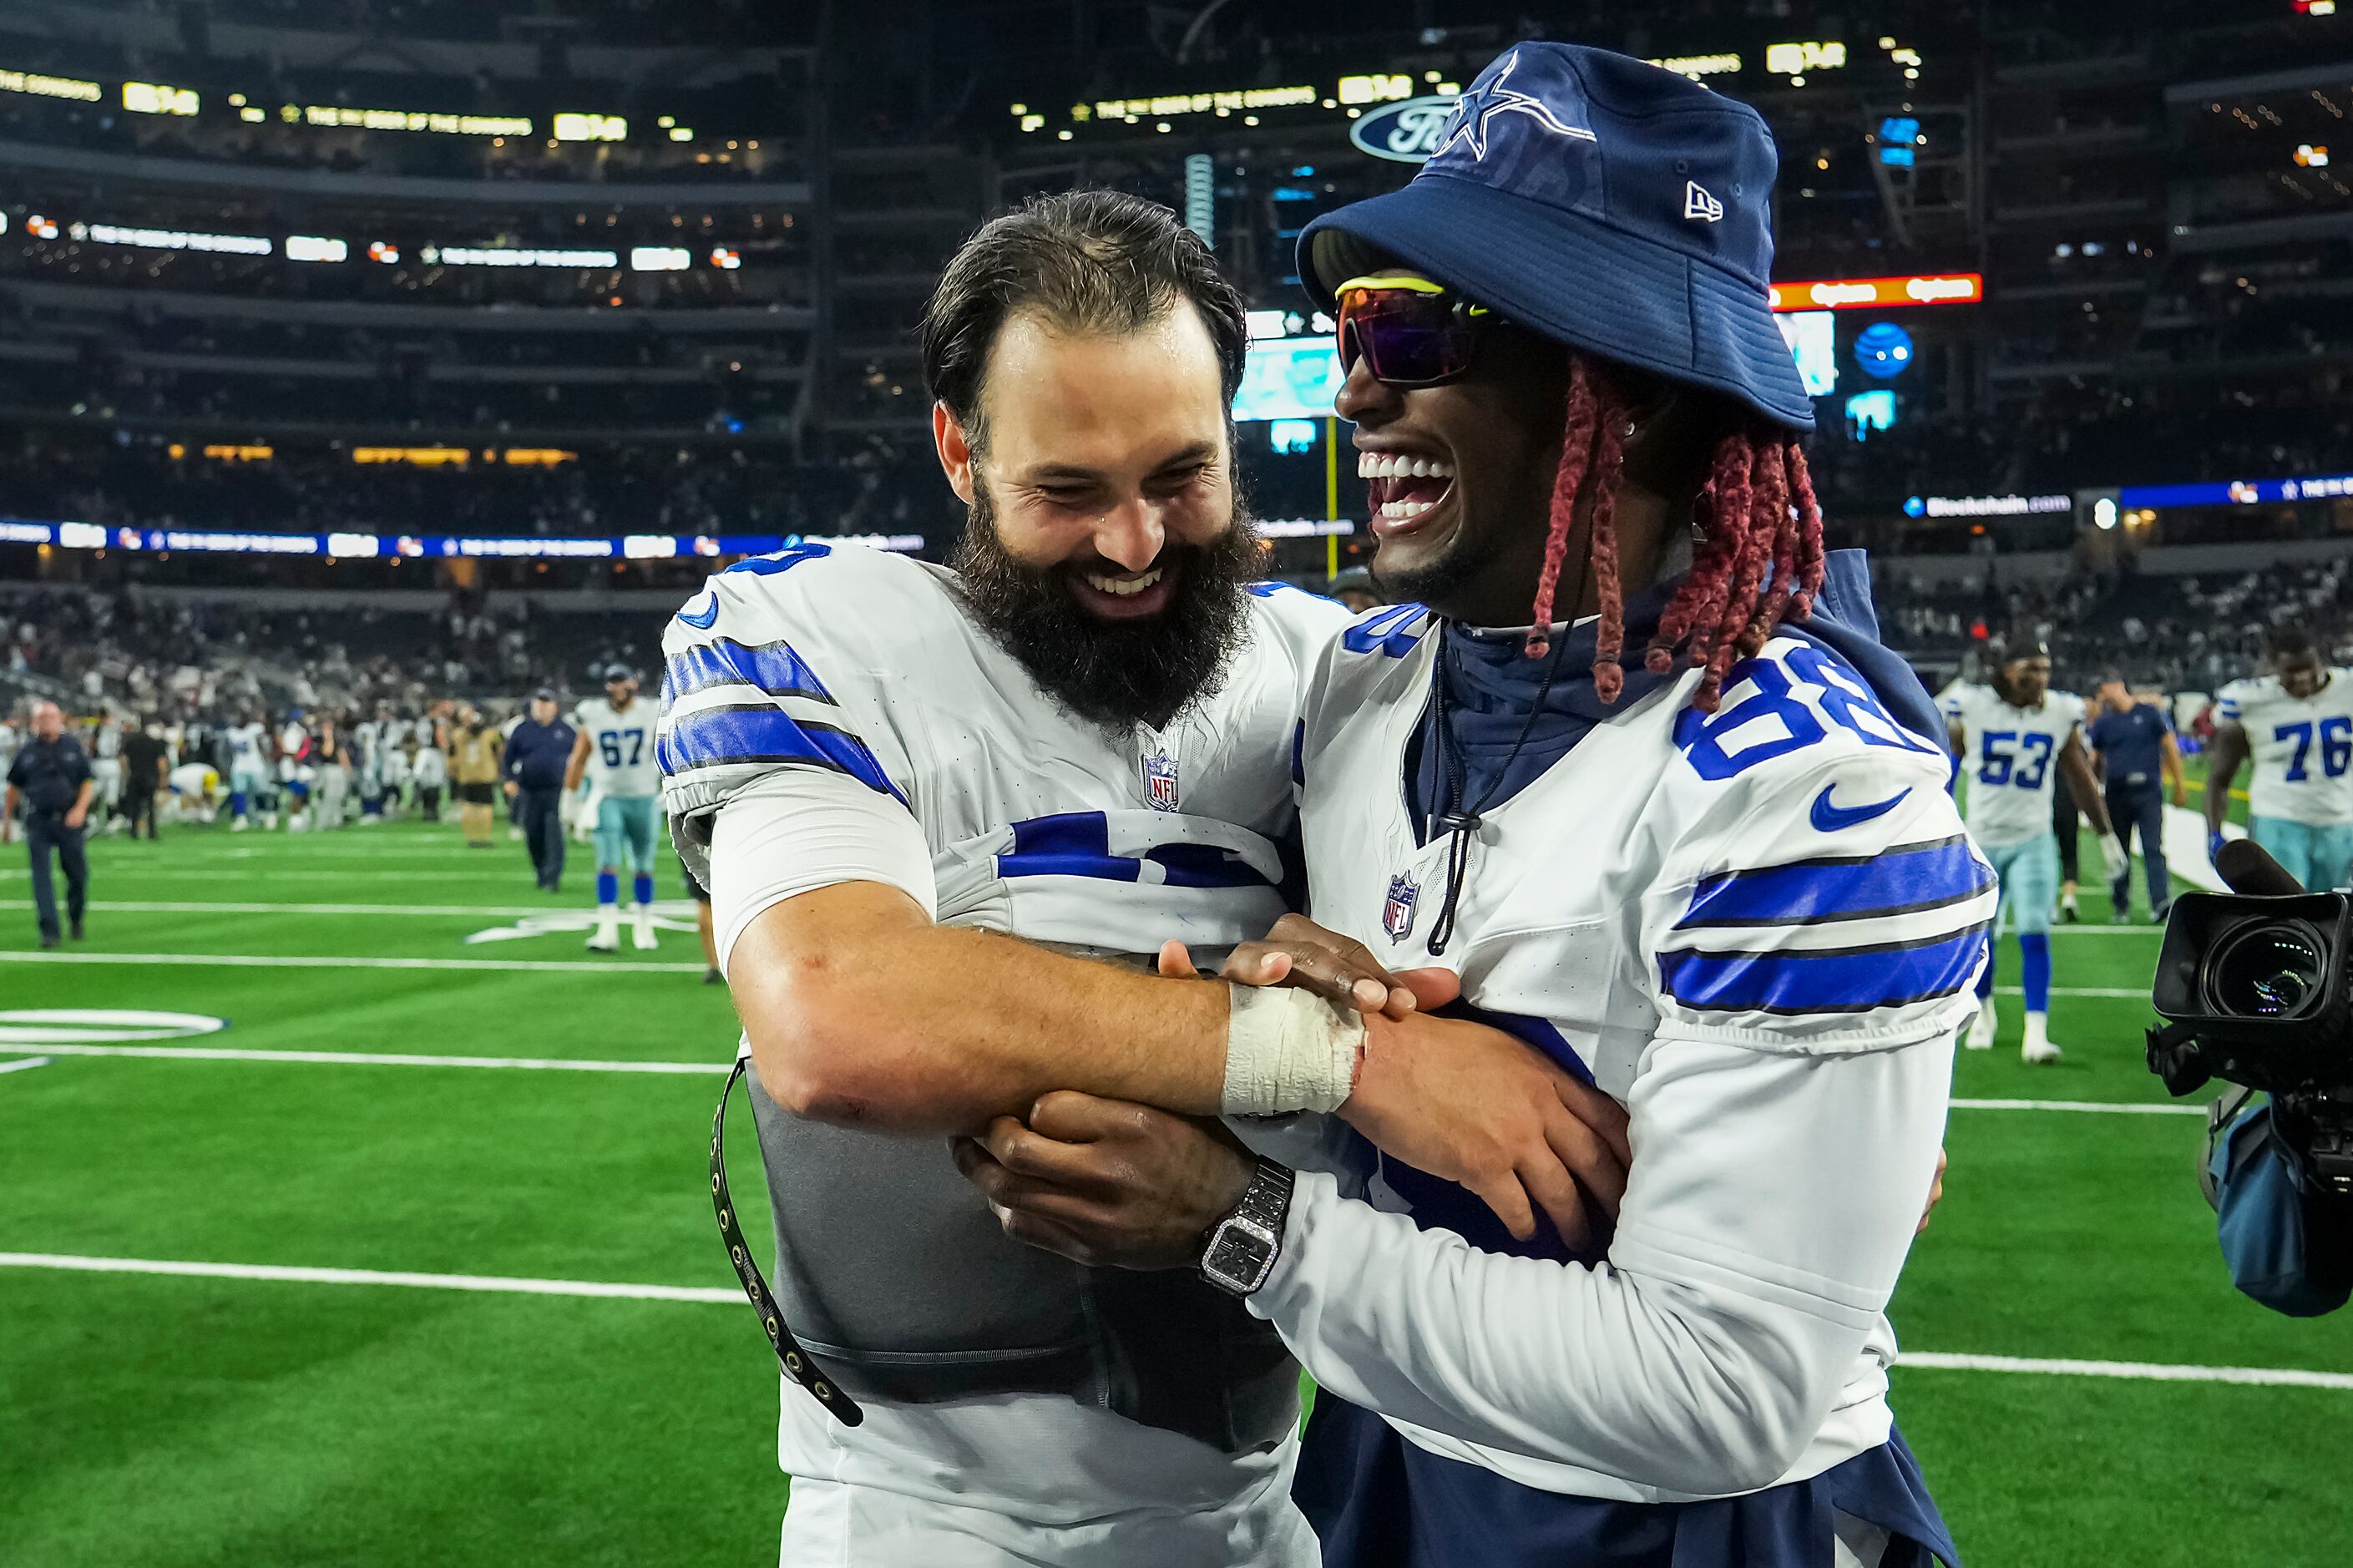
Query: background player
294,770
2010,735
250,786
617,739
106,767
2297,722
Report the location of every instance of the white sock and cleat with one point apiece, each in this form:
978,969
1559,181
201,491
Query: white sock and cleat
2037,1050
607,938
644,935
1981,1028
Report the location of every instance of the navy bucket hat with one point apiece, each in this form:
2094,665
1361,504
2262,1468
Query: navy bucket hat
1601,202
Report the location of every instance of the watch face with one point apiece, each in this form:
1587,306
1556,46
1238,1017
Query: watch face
1241,1256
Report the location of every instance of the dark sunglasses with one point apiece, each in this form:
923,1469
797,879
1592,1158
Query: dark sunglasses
1408,330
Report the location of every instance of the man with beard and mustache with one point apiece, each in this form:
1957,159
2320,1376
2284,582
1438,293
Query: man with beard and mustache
1081,738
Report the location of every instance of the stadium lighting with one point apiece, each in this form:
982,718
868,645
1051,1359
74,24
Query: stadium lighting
332,117
311,247
73,89
2103,514
2309,156
1856,293
591,127
1696,67
1797,58
154,98
658,259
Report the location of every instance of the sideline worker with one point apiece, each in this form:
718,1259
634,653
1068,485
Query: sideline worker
536,754
52,777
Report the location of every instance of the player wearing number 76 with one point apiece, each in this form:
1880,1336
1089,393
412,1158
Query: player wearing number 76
2297,724
2014,736
616,739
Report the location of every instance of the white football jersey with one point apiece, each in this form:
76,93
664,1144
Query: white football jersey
867,667
1758,929
246,748
291,740
2303,747
2009,761
621,746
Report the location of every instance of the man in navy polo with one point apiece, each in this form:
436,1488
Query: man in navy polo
535,760
52,778
2132,740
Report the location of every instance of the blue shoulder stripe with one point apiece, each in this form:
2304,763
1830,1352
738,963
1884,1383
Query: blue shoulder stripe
1840,980
718,737
1905,879
772,667
1078,843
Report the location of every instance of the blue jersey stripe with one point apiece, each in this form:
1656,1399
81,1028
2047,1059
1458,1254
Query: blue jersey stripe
1078,843
1907,878
716,737
774,667
1845,980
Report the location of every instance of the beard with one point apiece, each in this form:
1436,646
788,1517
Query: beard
1113,674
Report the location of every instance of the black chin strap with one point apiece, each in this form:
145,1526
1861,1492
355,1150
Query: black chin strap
790,1354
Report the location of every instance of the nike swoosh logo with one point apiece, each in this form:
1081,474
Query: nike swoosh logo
1830,818
704,621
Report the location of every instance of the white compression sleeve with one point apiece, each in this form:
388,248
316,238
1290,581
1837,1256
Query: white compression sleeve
1770,1205
806,828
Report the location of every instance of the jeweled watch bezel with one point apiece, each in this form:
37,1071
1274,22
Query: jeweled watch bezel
1242,1248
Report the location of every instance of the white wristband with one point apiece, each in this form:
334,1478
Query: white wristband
1288,1049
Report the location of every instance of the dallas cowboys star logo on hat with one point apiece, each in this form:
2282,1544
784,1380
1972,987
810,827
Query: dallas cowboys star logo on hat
1486,100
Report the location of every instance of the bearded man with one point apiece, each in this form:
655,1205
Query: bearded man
906,788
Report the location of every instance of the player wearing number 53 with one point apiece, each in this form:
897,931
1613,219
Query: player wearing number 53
2015,737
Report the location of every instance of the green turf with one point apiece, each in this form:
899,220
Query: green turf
184,1421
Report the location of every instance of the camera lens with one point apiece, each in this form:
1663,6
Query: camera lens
2270,969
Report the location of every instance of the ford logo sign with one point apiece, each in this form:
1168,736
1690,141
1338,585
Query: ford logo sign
1408,132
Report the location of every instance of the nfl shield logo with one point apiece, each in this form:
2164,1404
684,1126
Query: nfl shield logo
1397,911
1160,783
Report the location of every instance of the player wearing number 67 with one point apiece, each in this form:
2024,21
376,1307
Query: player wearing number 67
2014,737
616,739
2297,721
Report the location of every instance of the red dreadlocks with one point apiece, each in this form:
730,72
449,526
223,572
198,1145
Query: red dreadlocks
1758,562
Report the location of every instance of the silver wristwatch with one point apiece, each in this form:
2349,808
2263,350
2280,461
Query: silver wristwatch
1243,1246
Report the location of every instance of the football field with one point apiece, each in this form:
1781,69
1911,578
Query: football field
395,1247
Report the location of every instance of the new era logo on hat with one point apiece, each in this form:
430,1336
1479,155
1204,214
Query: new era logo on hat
1603,203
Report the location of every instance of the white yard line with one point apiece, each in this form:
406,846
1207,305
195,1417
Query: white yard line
507,1285
2114,1107
370,1058
25,1064
244,874
491,1283
558,1064
198,907
288,960
2266,1376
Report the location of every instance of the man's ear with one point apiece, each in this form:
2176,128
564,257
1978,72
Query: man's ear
954,443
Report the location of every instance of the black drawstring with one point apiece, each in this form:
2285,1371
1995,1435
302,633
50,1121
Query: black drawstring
1464,824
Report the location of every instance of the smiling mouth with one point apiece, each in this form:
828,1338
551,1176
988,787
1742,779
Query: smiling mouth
1401,486
1123,596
